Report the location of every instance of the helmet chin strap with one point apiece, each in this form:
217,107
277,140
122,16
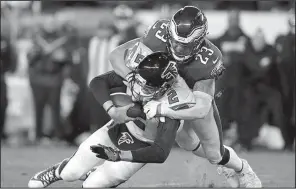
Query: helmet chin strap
179,59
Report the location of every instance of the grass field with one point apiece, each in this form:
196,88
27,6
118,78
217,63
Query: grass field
182,169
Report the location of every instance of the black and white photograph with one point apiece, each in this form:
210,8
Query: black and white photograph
147,93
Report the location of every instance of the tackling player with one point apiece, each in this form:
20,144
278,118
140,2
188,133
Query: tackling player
199,63
155,78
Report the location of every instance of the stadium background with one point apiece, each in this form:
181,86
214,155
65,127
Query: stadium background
19,161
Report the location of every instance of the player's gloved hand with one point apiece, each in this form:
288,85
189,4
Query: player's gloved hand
118,114
104,152
150,109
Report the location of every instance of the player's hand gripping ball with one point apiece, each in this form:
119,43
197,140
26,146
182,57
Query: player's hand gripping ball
123,100
104,152
136,111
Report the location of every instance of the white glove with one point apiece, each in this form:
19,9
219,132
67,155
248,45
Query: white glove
150,109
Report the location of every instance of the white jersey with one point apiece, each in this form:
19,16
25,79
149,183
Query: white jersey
179,97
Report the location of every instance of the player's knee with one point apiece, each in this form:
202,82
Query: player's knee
84,146
161,155
73,171
100,136
71,175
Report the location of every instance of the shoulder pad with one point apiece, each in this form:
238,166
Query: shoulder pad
209,53
207,64
136,54
156,36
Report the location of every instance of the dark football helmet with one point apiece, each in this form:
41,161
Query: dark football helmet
154,75
186,32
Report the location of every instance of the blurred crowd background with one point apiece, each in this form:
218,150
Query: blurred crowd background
50,50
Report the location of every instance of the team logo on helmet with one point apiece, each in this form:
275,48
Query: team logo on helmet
170,71
125,138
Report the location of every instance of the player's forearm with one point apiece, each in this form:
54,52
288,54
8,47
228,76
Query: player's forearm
198,111
150,154
101,87
159,151
116,58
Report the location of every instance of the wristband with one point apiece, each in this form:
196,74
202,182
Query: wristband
110,108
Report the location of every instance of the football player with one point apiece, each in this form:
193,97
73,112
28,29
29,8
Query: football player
200,64
156,77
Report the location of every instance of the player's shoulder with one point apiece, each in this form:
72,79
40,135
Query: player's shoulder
214,50
207,64
209,57
155,37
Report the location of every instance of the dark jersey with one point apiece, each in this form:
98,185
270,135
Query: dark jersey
207,64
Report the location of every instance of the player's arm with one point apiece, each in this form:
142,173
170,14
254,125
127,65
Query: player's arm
117,57
156,153
159,151
101,87
203,92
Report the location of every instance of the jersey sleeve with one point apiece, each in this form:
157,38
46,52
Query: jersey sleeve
163,143
214,62
102,86
217,70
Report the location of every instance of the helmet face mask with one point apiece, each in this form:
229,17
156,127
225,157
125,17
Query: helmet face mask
142,91
153,77
186,32
183,51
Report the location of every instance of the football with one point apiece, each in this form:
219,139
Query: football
122,99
